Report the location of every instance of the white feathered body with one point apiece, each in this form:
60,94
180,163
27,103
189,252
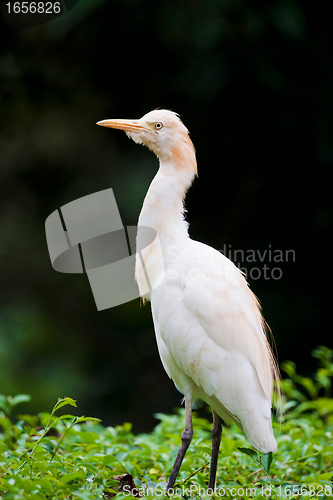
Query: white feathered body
208,325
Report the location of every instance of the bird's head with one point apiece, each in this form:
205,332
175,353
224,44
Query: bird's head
161,131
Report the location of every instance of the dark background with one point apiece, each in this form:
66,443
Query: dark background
253,83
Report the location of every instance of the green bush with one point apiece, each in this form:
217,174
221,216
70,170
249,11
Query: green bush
46,456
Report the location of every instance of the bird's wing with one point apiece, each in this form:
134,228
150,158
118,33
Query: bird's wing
212,342
223,322
229,312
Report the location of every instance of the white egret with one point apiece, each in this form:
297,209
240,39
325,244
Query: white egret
210,333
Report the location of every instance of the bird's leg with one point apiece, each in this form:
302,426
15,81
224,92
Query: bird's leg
186,439
216,440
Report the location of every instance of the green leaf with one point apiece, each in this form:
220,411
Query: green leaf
266,461
63,417
327,449
85,495
251,453
72,476
79,420
4,404
64,402
48,446
325,476
21,398
45,484
109,459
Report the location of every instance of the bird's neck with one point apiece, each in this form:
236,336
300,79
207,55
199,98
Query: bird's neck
163,210
163,207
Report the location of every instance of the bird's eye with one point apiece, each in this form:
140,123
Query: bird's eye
158,126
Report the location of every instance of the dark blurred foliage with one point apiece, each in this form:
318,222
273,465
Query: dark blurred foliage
253,83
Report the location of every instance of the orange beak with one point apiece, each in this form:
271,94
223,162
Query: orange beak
125,125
